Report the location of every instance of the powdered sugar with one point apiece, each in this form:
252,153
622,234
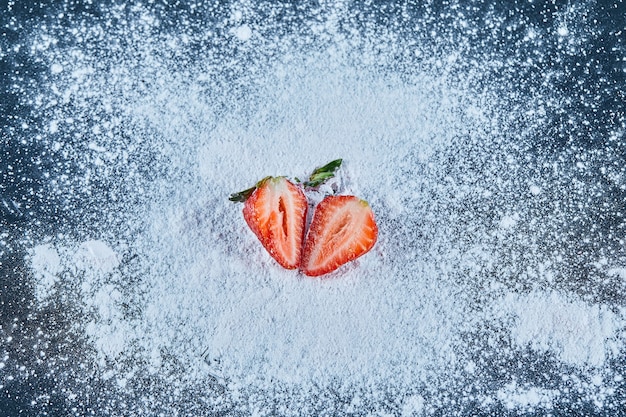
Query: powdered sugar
95,255
470,282
577,333
46,265
526,398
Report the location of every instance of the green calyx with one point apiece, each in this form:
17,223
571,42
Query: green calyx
242,196
318,177
322,174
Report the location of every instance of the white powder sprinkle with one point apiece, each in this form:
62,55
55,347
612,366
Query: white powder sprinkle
95,255
575,332
56,68
535,190
562,31
46,265
509,221
526,398
469,275
243,32
618,272
412,406
95,147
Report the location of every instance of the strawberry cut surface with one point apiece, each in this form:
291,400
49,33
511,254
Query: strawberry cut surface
276,212
342,229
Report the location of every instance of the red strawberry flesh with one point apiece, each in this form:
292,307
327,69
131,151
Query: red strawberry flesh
276,213
343,228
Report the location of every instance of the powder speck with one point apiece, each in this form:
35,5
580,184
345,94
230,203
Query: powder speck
243,32
509,221
562,30
535,190
56,68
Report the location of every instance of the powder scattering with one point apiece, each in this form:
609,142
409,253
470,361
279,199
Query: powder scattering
575,332
465,151
46,265
412,406
56,68
243,32
526,398
509,221
535,190
108,332
95,255
618,272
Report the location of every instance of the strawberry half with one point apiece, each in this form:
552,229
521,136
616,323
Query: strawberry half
275,209
343,228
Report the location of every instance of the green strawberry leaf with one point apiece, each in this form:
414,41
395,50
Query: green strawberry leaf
322,174
242,196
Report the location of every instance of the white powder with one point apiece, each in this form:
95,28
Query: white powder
95,255
412,406
509,221
194,303
578,333
526,398
243,32
618,272
46,265
377,321
54,126
56,68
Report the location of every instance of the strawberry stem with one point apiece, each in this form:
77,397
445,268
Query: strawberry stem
322,174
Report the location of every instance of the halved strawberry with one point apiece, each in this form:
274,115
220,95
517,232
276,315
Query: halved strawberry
343,228
275,209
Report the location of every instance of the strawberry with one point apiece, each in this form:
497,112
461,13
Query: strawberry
343,228
275,209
